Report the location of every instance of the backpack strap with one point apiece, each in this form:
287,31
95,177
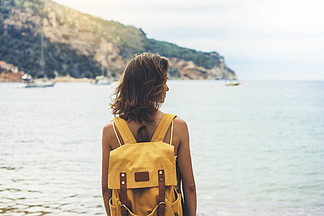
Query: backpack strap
124,130
161,208
163,127
123,193
171,133
116,134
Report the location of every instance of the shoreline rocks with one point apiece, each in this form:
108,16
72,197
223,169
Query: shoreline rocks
9,76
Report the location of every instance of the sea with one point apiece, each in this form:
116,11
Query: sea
257,148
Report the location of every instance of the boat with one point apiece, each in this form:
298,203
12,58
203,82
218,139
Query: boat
26,78
39,83
42,82
102,80
232,83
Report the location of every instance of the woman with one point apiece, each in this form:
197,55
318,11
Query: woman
139,95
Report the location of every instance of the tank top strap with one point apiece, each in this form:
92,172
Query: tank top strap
124,130
162,127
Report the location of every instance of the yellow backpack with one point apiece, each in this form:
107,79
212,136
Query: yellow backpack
143,176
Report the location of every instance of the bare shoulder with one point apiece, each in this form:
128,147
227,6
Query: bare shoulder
180,125
107,133
108,129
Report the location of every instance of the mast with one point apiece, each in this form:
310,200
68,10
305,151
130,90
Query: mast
42,61
102,60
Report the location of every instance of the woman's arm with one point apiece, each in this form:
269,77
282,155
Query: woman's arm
185,166
106,193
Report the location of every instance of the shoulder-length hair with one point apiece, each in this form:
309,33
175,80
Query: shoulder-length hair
141,89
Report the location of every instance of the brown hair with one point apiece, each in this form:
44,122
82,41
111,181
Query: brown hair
141,89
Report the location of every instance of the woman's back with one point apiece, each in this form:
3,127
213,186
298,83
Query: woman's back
139,95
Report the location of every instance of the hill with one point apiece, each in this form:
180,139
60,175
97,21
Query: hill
80,45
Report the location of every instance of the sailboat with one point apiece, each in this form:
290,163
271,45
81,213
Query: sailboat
102,80
43,82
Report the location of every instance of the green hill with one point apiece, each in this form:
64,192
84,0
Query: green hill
80,44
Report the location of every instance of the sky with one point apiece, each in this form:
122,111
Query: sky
259,39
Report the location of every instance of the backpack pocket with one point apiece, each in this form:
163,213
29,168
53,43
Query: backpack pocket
176,205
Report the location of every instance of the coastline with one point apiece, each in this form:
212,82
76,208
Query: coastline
16,77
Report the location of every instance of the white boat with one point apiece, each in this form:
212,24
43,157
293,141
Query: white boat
26,78
39,83
102,80
43,82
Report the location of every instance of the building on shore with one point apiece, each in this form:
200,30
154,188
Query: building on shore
9,67
9,72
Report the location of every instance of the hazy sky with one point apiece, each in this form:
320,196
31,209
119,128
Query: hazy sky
260,39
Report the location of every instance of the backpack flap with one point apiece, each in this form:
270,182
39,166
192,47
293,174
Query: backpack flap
141,163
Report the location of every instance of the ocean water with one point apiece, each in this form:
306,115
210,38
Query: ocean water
257,148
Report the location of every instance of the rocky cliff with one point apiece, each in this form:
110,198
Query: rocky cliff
85,46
